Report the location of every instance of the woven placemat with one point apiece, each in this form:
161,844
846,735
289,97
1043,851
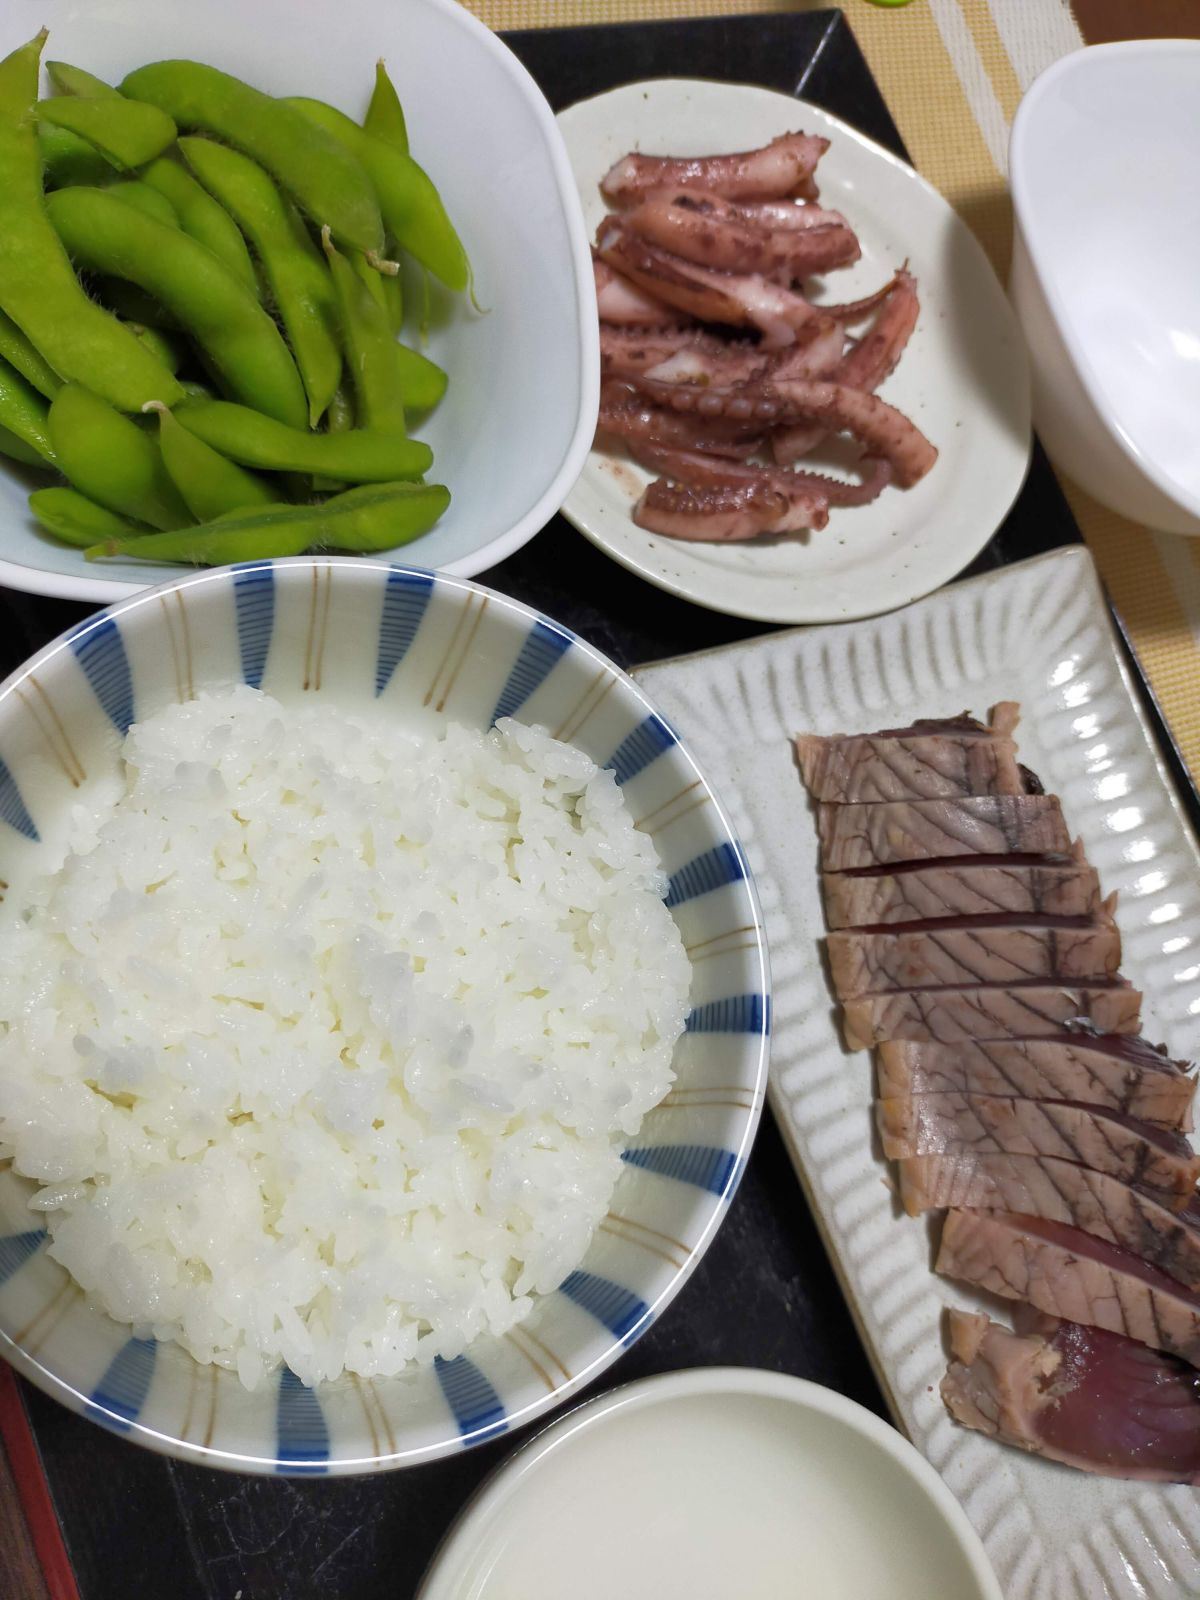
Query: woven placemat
952,73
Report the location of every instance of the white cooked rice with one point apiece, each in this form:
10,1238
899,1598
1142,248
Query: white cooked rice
325,1039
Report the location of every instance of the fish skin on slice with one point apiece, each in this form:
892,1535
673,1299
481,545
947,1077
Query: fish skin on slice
1087,1398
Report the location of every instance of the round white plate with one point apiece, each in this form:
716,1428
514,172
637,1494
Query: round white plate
717,1481
963,379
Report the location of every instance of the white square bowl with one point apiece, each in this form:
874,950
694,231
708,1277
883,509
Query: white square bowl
1102,165
516,423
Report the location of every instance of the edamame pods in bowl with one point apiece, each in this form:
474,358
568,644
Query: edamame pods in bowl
202,300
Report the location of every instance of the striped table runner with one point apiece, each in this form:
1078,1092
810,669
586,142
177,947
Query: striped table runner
952,73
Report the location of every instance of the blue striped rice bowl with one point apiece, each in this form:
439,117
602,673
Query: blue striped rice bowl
428,647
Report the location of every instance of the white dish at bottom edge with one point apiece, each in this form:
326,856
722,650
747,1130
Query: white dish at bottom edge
1039,633
713,1482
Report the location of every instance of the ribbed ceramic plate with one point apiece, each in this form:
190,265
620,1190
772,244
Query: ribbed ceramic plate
963,379
1038,633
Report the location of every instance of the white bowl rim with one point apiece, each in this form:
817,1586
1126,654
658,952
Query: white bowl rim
585,293
59,1389
473,1522
94,586
1020,157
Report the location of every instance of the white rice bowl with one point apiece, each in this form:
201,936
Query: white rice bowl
324,1039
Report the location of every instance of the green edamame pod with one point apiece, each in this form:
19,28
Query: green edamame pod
74,80
38,286
192,390
375,517
208,483
23,412
200,215
385,115
392,289
370,279
411,207
146,199
66,158
326,181
380,516
168,350
237,336
426,304
133,305
339,418
369,345
314,256
125,132
422,381
16,449
73,518
16,349
109,459
258,535
361,456
298,278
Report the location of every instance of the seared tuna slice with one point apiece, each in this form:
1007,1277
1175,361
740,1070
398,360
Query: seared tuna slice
1156,1160
963,888
1087,1398
1116,1071
882,832
1065,1272
871,961
926,761
1059,1191
982,1011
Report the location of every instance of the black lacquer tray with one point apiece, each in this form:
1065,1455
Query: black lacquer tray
137,1524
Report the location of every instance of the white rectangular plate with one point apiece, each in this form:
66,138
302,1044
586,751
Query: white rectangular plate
1038,633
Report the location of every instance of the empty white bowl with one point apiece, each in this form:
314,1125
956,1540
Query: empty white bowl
1102,166
514,428
717,1481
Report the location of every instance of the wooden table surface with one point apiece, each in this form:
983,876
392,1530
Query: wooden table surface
1106,21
